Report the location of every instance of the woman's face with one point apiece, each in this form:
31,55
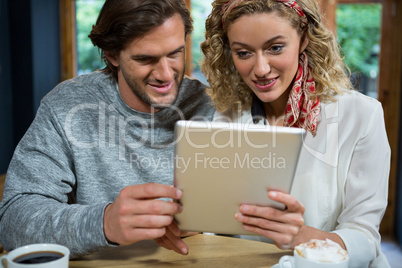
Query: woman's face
265,50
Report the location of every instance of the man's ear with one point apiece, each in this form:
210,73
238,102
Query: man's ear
113,59
304,43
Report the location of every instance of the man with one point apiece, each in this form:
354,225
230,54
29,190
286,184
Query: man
95,168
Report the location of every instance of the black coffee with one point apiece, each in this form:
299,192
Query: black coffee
38,257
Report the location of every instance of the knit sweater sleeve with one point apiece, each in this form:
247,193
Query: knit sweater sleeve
38,202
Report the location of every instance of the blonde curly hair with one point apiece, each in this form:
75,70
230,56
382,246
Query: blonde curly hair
227,90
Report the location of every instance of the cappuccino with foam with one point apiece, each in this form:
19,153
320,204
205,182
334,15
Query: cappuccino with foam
322,251
317,254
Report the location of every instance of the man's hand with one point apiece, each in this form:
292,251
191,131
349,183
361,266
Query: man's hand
137,214
172,239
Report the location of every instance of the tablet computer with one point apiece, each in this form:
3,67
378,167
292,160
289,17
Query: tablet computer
220,166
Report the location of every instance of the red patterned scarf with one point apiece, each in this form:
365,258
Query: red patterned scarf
302,110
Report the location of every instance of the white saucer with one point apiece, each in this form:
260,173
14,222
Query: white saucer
286,264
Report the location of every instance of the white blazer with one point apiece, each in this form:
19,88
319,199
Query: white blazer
342,174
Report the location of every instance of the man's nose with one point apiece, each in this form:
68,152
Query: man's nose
163,70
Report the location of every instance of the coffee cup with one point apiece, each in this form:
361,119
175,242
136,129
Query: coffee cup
316,254
37,255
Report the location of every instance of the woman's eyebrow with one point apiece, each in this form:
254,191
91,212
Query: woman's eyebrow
267,42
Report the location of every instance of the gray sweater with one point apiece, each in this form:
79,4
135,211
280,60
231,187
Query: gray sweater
83,147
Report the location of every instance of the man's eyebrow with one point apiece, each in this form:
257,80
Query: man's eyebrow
146,56
141,56
267,42
178,49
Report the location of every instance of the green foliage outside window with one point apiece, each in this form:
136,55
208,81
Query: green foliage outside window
358,33
88,56
199,12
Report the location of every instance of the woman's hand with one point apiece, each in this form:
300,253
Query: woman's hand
280,226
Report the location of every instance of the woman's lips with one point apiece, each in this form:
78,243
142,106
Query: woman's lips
162,88
265,84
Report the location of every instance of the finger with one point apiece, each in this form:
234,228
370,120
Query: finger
289,201
133,235
150,207
174,229
265,224
283,241
284,246
272,214
176,242
149,221
261,212
167,243
151,191
162,244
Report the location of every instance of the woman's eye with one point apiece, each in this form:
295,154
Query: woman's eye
243,54
276,49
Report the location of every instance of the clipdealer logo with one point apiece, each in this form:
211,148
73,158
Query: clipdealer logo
112,127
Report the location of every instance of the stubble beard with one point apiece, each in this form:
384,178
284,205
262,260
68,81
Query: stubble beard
142,94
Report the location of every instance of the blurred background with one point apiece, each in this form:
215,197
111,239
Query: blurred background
358,31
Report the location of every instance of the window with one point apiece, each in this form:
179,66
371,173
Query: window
358,33
200,9
88,57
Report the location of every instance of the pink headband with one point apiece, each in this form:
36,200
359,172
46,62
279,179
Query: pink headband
230,5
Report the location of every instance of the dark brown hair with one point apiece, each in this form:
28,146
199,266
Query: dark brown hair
121,21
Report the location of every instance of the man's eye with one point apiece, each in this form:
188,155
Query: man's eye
176,53
143,59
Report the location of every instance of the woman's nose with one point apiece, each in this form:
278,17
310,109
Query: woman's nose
262,67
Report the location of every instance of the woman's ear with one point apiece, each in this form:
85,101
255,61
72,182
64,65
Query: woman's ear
303,44
112,59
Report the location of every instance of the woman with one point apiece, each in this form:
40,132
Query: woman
273,61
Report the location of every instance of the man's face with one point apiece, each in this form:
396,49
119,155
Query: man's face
151,68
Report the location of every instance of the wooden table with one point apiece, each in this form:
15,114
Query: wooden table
204,251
